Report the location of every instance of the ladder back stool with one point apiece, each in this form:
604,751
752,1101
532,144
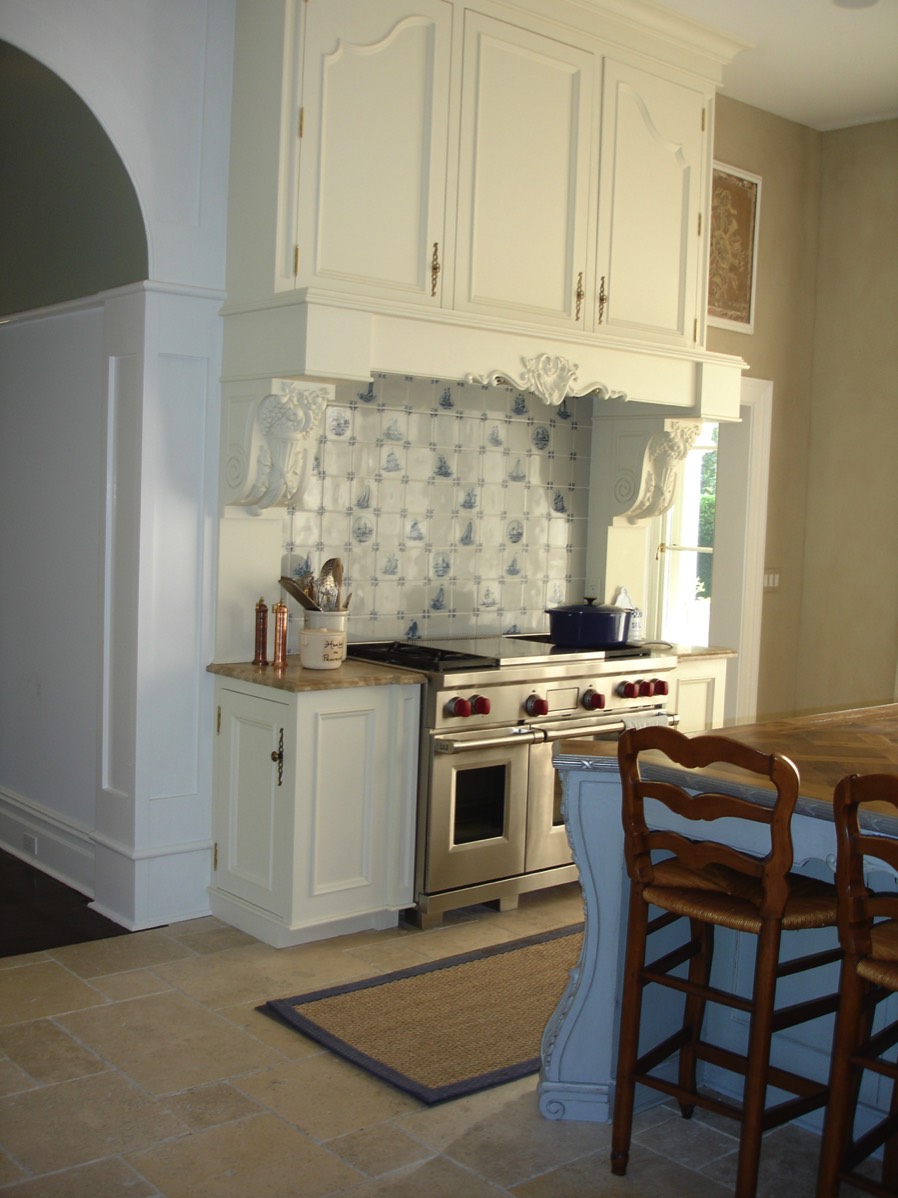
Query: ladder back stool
868,931
688,875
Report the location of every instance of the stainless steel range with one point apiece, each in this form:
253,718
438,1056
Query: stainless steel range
490,825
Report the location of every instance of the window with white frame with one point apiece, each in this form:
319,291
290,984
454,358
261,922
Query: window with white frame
685,551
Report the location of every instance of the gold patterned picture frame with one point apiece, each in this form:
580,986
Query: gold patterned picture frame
733,254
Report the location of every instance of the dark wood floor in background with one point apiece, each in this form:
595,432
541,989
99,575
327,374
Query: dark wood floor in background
37,912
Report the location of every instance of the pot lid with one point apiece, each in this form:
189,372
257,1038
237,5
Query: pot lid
588,607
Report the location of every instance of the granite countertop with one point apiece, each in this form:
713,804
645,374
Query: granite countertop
682,651
294,678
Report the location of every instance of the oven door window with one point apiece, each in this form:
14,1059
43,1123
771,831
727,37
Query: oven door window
480,802
477,816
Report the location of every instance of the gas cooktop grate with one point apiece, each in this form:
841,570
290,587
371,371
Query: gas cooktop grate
420,657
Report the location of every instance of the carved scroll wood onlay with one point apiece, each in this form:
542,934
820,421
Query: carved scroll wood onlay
271,469
664,454
549,376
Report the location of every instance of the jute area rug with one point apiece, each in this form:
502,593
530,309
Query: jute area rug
447,1028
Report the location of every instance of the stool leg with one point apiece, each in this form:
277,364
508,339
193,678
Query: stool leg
628,1042
694,1012
842,1085
890,1151
759,1037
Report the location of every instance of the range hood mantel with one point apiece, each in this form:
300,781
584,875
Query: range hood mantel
332,337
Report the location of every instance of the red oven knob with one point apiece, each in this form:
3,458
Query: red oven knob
480,705
592,700
533,705
460,707
646,689
661,687
628,690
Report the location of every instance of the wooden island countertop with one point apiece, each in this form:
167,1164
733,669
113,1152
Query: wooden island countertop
825,747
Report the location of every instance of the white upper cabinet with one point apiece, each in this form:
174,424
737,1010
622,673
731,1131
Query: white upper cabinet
373,150
525,148
651,241
438,188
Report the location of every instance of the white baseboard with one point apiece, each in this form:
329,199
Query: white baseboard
57,846
136,888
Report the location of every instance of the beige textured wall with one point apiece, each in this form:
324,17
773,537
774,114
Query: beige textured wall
826,334
787,157
848,643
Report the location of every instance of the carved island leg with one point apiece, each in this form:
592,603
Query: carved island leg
579,1045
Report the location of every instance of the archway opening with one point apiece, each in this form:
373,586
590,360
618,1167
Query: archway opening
70,220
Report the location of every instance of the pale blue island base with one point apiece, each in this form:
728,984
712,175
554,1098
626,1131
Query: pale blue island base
579,1046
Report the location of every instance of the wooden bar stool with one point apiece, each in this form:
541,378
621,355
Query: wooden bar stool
710,884
868,931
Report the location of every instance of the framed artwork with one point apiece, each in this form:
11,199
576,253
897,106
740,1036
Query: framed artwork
733,256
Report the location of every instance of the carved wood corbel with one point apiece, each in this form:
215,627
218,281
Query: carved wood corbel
661,464
270,467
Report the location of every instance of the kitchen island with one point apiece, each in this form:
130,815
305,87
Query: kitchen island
580,1041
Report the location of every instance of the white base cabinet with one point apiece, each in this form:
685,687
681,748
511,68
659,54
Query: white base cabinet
314,809
699,692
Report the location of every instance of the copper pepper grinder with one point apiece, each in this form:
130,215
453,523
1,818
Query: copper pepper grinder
261,655
280,634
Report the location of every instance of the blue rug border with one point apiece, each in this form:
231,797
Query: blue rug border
284,1010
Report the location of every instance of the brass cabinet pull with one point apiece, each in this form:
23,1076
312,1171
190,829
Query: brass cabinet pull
278,756
434,268
580,294
603,299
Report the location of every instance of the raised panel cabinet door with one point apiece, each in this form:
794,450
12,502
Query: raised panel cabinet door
523,198
350,814
372,161
650,246
700,691
253,801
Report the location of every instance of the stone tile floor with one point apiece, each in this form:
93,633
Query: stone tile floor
139,1066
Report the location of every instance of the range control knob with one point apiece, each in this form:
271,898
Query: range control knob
592,700
661,686
646,688
480,705
534,705
628,690
460,707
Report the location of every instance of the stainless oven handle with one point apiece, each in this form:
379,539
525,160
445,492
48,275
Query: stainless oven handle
526,736
609,728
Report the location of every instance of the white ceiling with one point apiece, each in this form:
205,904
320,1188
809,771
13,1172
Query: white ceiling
812,62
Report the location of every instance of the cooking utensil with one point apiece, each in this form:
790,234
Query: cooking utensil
589,625
294,587
327,586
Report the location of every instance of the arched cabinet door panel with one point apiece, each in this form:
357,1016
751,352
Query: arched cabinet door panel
373,149
650,237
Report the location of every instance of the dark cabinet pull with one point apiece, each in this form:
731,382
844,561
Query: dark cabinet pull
434,268
278,756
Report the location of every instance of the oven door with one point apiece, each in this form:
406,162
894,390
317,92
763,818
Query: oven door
547,841
477,808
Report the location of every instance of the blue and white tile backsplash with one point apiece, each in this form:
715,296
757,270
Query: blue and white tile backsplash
457,510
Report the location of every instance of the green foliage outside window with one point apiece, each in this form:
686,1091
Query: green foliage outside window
707,507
